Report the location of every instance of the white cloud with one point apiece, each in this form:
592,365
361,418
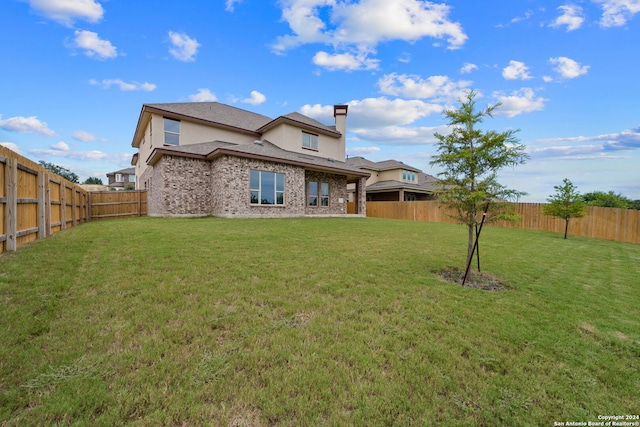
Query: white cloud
375,112
29,124
439,88
345,61
11,146
384,121
519,102
405,57
360,151
83,136
616,13
59,151
568,68
516,70
628,139
66,11
94,46
230,5
184,47
572,17
124,86
60,146
256,98
468,67
361,26
401,135
527,15
203,95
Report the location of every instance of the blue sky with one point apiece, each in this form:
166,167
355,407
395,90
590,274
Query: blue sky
75,74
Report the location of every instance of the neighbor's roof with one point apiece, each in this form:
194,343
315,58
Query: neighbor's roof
262,150
426,184
127,171
362,163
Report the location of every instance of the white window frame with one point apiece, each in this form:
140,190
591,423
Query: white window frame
278,196
309,141
171,133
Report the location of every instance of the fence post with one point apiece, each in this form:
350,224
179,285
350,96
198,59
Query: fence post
42,223
11,212
47,204
63,205
73,208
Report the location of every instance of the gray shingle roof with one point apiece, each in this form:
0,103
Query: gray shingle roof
426,183
127,171
384,165
264,149
216,113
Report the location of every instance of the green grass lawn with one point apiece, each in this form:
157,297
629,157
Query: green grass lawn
300,322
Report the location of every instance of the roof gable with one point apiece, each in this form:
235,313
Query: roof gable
215,113
302,121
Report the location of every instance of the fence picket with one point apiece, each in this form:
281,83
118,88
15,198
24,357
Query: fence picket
622,225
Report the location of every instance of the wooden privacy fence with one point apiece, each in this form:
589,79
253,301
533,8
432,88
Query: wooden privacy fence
622,225
117,204
35,203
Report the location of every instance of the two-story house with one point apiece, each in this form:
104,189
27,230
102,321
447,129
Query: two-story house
393,181
120,179
207,158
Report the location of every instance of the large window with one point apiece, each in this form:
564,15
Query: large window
310,141
171,131
267,188
318,193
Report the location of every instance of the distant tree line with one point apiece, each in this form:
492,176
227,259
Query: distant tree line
609,200
67,174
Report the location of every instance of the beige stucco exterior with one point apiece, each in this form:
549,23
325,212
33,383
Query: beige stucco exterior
289,137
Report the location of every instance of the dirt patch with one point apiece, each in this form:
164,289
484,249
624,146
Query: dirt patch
477,280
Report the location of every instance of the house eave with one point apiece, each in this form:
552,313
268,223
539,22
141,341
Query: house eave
157,153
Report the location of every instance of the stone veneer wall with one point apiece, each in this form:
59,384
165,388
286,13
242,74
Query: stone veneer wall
152,181
337,190
179,186
231,193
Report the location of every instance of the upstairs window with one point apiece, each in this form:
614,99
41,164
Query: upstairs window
309,141
119,177
171,132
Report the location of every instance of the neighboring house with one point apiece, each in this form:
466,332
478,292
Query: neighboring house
119,179
207,158
391,180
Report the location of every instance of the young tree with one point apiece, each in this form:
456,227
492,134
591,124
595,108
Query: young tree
59,170
471,158
566,203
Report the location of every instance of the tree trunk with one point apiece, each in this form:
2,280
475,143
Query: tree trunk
566,228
